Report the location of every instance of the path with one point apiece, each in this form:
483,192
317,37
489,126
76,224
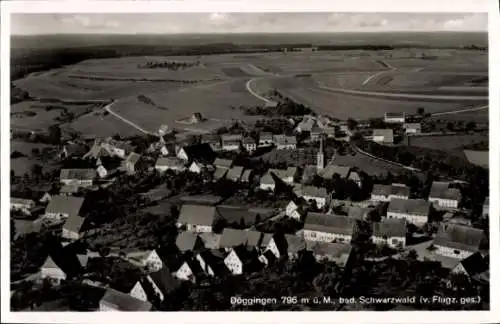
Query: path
253,93
391,68
460,111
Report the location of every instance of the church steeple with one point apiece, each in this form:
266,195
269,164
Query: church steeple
320,158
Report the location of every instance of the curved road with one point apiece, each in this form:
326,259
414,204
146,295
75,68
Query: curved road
253,93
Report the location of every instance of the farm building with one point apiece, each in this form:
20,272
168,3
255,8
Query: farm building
198,152
72,227
223,163
63,207
399,191
249,144
284,142
394,117
384,136
78,177
133,163
241,260
334,252
412,128
331,169
317,194
457,241
265,139
114,300
415,211
286,245
52,271
327,228
358,213
198,167
391,232
242,216
188,241
287,176
306,125
234,174
170,163
355,177
196,218
316,133
380,192
293,210
247,176
190,270
253,239
443,196
22,205
213,140
231,142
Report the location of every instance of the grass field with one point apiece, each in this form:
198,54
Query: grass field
447,143
23,165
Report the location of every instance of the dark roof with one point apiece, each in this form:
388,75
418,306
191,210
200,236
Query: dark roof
335,250
65,204
132,158
232,237
234,214
200,152
124,302
444,192
215,261
400,190
226,163
210,239
312,191
459,237
187,241
234,173
197,215
331,169
479,158
358,213
386,133
164,280
474,264
288,243
267,179
257,239
170,161
418,207
284,140
231,138
395,114
245,254
329,223
381,190
249,140
208,200
220,172
80,174
390,227
74,223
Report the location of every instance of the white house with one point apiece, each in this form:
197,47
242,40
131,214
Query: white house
231,142
78,177
412,128
284,142
22,205
391,232
52,271
415,211
197,167
328,228
399,191
170,163
319,195
149,259
249,144
196,218
133,162
444,197
394,117
189,271
240,260
62,207
380,193
385,136
292,210
458,241
265,139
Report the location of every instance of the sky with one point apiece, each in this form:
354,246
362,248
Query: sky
179,23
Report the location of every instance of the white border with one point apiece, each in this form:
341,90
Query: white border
490,6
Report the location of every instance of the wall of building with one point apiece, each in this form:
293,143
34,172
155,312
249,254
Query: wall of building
199,228
414,219
452,253
326,237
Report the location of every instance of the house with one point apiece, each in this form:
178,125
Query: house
284,142
383,136
72,227
79,177
72,150
412,128
380,192
306,125
210,240
197,167
265,139
316,133
223,163
287,176
231,237
196,218
328,228
391,232
212,263
444,197
331,169
308,174
231,142
334,252
170,163
247,176
148,259
213,140
399,191
358,213
220,173
241,260
457,241
162,283
286,245
116,148
188,241
114,300
190,270
234,174
101,171
249,144
293,210
394,117
415,211
133,163
471,266
267,182
22,205
241,217
317,194
62,207
69,190
52,271
198,152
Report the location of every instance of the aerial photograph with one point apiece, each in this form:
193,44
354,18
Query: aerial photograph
229,161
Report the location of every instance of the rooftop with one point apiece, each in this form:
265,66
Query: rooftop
390,227
418,207
79,174
459,237
65,205
124,302
197,215
329,223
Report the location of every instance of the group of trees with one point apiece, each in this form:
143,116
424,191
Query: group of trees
284,107
169,65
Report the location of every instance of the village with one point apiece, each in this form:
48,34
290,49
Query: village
236,214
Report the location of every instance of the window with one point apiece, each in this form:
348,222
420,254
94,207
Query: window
456,251
395,242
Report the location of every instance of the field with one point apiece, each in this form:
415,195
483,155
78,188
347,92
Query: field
447,143
23,165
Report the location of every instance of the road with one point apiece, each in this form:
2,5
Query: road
253,93
460,111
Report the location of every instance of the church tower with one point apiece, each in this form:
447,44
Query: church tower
320,158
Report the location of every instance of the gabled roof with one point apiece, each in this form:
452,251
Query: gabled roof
248,140
400,190
164,280
234,173
442,191
331,169
225,163
210,239
200,152
479,158
172,162
215,261
205,200
234,214
186,241
418,207
231,138
124,302
412,125
50,264
395,114
328,223
232,237
133,158
358,213
21,201
282,174
381,190
79,174
245,254
459,237
64,205
264,136
284,140
386,133
316,192
74,223
69,189
267,179
257,239
197,215
289,243
390,227
474,264
334,250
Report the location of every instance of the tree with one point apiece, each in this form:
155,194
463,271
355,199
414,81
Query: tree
352,124
12,229
36,170
420,111
55,134
470,126
35,151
